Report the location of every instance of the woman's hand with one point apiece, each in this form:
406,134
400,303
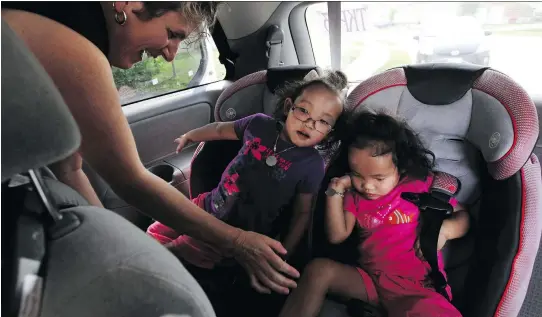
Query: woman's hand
340,184
181,141
267,271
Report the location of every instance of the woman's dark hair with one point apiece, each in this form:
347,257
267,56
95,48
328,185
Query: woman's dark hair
334,81
385,134
197,13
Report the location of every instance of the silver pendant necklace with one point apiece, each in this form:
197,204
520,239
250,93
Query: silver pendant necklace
271,160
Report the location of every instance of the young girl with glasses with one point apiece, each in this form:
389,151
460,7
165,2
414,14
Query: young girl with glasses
277,165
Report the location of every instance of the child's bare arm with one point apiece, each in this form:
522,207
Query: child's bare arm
339,223
298,224
454,227
209,132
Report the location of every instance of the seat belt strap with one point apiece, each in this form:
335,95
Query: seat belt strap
434,209
334,18
273,43
226,56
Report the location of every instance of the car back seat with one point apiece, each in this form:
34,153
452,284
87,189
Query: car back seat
482,127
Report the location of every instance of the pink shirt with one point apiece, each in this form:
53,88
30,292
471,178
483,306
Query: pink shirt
389,226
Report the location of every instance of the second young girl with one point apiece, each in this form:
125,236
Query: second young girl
277,165
385,158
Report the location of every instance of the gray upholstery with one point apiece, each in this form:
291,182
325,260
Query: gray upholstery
445,137
62,195
109,267
37,127
103,265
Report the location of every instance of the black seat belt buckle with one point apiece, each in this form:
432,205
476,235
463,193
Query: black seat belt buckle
426,201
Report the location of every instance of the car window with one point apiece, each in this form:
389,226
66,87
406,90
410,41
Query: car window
376,36
195,64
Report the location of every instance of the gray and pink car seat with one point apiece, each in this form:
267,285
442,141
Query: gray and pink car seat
482,127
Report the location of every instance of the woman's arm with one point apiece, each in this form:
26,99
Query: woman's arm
454,227
300,219
339,222
69,171
83,76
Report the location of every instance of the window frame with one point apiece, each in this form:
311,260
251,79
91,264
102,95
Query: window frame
197,78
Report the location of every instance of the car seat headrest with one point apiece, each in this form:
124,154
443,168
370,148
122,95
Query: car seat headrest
486,112
254,93
441,84
278,76
37,126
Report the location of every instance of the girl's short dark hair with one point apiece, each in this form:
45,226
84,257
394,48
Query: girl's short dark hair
334,81
385,134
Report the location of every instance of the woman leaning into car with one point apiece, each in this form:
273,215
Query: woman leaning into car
77,43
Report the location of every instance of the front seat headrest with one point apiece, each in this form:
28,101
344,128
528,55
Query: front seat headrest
37,126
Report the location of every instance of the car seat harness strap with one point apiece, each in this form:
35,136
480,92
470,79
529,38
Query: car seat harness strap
434,208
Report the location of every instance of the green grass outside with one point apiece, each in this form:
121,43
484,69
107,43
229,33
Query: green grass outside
396,58
353,52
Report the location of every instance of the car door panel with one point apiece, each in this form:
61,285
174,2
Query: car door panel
155,123
154,136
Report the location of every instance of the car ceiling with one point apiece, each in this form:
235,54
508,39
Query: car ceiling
240,19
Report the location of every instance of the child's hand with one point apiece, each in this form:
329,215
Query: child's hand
341,184
181,143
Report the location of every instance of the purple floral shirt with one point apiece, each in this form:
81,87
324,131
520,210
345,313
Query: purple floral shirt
251,194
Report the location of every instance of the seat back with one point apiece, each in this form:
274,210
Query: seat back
95,263
482,127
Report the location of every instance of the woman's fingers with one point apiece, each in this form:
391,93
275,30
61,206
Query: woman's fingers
257,285
276,261
271,278
255,252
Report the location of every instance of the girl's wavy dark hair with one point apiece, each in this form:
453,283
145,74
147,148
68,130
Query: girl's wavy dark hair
385,134
334,81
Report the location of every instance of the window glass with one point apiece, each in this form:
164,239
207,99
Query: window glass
376,36
196,63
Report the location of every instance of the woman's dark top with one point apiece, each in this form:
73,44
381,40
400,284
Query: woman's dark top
85,18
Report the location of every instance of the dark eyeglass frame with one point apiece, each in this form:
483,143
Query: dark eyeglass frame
309,119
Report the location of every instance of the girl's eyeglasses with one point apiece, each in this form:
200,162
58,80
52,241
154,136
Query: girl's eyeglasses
303,115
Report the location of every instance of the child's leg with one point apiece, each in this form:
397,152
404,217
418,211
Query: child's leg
166,235
162,233
323,276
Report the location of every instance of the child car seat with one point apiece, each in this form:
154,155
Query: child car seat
482,127
81,261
